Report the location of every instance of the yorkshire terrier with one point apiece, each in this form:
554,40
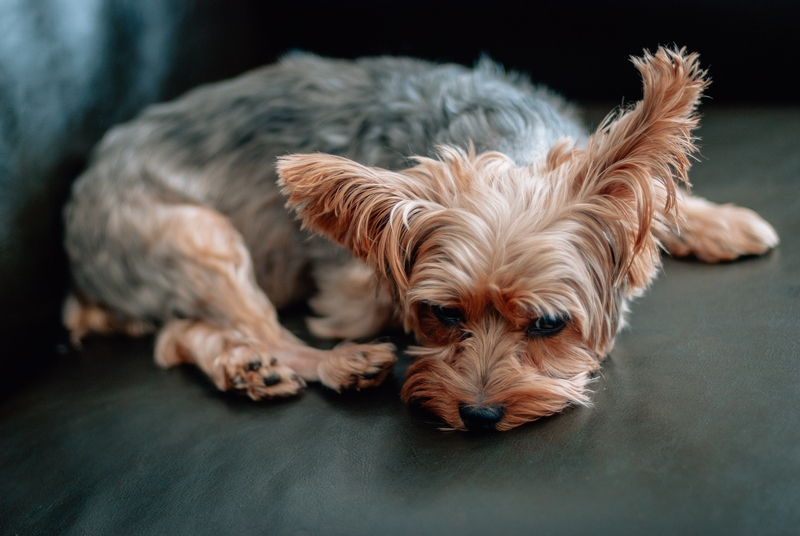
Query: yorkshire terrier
510,249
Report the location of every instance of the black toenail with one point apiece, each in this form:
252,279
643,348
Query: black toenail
273,361
254,365
272,379
481,418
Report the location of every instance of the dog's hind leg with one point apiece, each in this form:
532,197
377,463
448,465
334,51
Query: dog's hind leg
231,330
715,233
231,359
82,318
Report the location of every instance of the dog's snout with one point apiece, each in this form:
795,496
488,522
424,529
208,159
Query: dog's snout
481,418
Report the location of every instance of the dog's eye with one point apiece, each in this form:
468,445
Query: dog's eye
545,326
448,316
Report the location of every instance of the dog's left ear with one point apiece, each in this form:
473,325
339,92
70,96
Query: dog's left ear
632,164
381,216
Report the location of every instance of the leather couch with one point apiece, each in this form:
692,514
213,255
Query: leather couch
694,427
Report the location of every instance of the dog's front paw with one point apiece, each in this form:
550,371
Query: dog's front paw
250,369
356,366
715,233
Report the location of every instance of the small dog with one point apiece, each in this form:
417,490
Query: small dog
510,250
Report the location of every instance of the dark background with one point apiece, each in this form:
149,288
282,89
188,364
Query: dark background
579,47
71,69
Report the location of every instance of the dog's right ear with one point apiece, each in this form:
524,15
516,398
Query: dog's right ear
632,165
381,216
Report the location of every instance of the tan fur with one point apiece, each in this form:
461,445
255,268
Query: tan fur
241,325
231,359
82,318
715,233
350,303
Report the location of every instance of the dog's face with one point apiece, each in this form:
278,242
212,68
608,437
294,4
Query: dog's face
509,293
513,279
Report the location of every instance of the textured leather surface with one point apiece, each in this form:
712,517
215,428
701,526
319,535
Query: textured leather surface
694,428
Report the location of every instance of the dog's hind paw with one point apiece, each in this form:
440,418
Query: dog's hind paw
250,370
356,366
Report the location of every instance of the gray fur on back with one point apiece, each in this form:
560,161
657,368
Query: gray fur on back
217,146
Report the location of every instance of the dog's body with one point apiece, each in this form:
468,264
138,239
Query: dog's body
513,271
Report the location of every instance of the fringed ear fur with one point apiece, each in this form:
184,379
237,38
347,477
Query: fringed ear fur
368,210
632,164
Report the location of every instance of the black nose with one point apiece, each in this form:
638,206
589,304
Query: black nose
481,418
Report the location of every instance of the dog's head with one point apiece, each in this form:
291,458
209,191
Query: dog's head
514,279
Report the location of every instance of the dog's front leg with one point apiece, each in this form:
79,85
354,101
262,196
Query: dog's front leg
714,233
350,304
